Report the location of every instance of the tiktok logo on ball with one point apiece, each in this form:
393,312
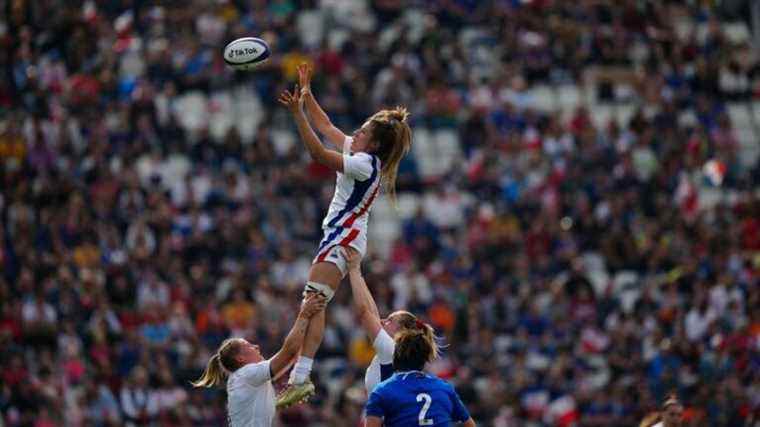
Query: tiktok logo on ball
240,52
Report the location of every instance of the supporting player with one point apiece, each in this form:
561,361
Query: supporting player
411,397
380,330
670,416
369,159
250,396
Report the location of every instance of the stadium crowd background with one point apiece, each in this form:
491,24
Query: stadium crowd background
554,221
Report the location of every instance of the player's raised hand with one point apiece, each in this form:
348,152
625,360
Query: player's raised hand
304,77
293,101
353,258
312,304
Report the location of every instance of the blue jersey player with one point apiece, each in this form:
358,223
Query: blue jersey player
411,397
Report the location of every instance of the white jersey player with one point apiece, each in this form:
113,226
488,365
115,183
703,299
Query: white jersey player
671,414
366,160
250,395
380,330
346,221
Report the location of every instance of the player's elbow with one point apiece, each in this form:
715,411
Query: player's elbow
317,154
362,311
322,157
370,321
324,125
290,347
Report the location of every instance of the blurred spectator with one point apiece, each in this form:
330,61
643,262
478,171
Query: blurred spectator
555,221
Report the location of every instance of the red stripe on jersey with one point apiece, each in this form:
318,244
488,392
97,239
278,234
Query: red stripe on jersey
350,221
346,240
323,255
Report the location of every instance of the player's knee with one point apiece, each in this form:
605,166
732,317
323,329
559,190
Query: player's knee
320,288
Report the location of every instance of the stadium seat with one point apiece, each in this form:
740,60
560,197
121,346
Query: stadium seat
601,114
310,25
446,151
627,286
283,141
192,111
624,113
385,226
221,115
423,152
544,98
248,111
740,114
568,96
407,205
755,107
737,32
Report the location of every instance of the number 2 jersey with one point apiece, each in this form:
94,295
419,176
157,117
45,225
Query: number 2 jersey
415,398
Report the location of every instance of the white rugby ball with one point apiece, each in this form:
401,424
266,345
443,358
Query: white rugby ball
246,53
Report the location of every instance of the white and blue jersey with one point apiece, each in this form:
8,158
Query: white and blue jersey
414,398
355,190
381,367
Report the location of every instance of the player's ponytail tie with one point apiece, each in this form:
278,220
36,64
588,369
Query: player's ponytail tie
419,324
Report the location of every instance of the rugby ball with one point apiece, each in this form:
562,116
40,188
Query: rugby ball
246,53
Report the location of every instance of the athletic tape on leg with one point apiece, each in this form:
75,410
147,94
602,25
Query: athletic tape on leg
320,288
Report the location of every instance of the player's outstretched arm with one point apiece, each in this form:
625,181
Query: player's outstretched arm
317,114
311,305
365,304
294,102
373,422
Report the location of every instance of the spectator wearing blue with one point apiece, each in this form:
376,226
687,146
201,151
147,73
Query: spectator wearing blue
411,397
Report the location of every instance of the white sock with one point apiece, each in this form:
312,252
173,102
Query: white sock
302,370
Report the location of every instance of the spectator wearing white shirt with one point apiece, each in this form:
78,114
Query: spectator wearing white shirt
152,292
39,322
138,401
169,395
410,285
698,320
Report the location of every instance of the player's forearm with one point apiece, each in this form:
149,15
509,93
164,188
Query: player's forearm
362,296
318,116
295,337
316,150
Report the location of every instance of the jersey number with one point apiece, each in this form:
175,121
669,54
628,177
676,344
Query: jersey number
428,400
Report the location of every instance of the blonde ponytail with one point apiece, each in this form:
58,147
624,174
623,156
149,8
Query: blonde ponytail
220,364
390,128
651,419
214,374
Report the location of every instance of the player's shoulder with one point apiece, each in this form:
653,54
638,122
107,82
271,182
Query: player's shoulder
365,157
439,383
387,386
383,337
251,370
264,364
